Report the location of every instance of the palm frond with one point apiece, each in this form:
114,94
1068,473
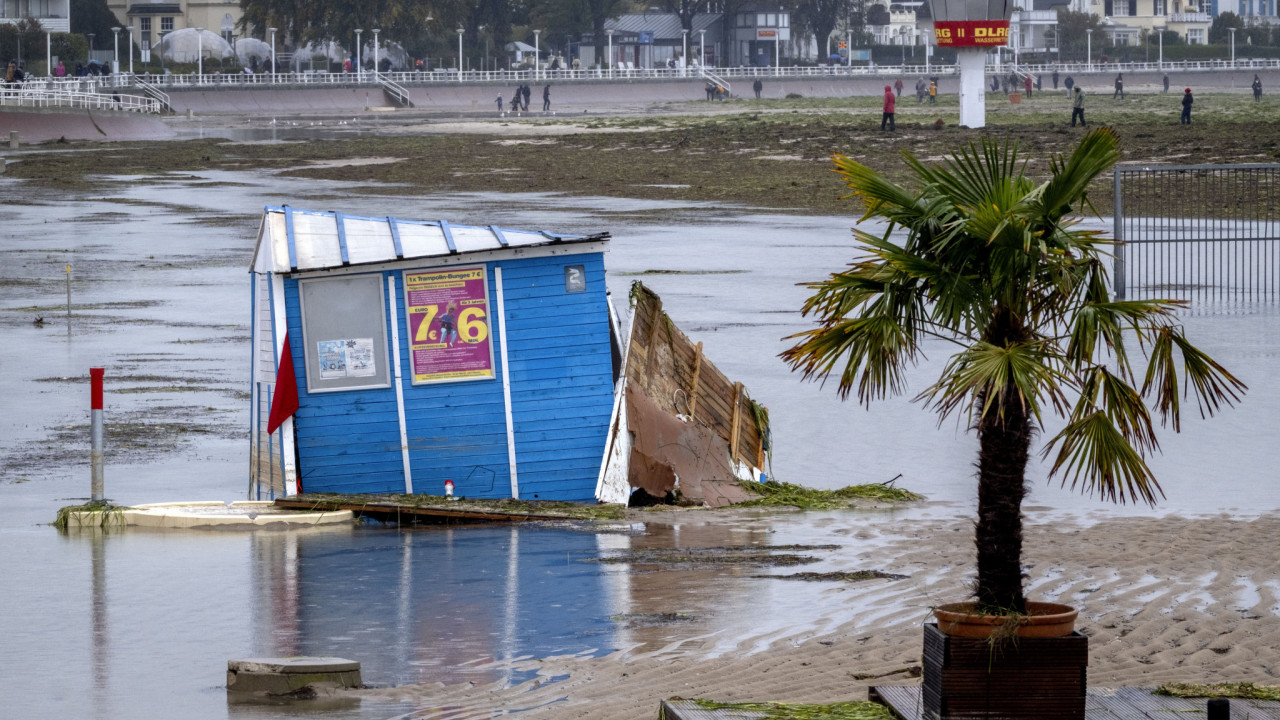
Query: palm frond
1096,457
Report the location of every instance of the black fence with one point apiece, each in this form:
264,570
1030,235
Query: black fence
1208,232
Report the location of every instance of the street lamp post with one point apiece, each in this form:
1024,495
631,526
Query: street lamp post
130,28
199,54
1160,58
1088,49
273,53
1233,47
777,51
537,53
90,45
48,53
115,34
376,55
684,53
702,48
610,58
359,66
460,31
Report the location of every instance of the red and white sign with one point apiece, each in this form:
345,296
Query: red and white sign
971,33
771,34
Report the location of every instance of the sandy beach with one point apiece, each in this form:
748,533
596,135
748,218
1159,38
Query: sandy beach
1162,599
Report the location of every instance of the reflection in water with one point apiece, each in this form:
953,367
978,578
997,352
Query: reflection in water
433,604
101,644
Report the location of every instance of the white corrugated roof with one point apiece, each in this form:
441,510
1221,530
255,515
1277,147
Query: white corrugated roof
294,240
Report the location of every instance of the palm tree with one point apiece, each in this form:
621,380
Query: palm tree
982,256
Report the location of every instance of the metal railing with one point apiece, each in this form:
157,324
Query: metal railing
397,92
442,76
159,95
37,95
1205,231
717,80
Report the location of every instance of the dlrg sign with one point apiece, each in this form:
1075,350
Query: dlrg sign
971,33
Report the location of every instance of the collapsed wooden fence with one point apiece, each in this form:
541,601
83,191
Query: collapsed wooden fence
673,372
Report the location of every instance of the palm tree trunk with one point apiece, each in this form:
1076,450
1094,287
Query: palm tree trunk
1002,461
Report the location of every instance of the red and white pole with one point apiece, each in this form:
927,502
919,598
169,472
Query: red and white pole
95,457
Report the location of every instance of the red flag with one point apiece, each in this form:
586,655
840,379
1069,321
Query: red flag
285,402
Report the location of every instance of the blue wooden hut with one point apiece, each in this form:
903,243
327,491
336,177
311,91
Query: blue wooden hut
393,356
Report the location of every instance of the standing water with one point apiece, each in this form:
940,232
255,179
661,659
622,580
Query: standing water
140,624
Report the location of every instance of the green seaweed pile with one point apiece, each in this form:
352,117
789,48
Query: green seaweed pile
1239,691
778,494
858,710
97,514
544,508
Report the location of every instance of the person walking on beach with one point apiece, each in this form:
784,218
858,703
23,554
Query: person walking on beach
1186,107
1077,108
1068,84
546,98
1119,87
1166,82
897,87
1026,83
1055,78
933,92
920,88
757,86
889,101
499,103
1257,88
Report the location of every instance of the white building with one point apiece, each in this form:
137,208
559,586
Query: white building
53,15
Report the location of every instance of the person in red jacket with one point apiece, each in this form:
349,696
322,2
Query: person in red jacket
889,101
1026,82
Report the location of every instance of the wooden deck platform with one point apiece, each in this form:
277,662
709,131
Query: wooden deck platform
445,512
1123,703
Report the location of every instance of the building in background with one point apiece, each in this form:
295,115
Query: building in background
53,15
152,20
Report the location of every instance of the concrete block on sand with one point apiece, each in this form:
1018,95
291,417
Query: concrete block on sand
283,676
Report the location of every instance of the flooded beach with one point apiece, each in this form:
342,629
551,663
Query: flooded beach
138,624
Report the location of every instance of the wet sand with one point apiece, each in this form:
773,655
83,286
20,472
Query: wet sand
1163,600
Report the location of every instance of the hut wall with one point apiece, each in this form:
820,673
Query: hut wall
561,397
349,441
561,375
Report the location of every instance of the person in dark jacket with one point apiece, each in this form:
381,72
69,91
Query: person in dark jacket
1069,83
1055,78
1166,82
546,98
757,86
1257,88
1077,108
889,102
1186,107
1119,87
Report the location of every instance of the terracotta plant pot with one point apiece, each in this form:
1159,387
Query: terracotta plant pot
1042,620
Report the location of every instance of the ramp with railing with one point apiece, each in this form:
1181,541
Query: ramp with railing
728,89
154,93
40,95
395,92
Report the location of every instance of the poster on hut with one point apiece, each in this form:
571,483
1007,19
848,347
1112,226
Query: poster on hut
448,316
